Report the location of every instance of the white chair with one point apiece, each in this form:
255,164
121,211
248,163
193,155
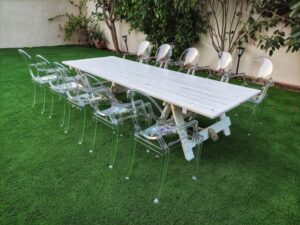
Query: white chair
188,60
221,64
163,55
224,63
261,68
226,76
143,52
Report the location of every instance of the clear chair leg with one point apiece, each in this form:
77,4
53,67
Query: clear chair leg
64,115
114,150
131,158
94,137
51,109
44,99
244,81
34,95
293,113
252,119
83,128
209,75
162,176
68,119
261,112
198,152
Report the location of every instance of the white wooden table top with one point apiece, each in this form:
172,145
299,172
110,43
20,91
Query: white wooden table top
203,96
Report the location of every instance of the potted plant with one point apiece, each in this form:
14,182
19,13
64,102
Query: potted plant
99,39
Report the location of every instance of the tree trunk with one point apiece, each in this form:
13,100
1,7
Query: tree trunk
114,37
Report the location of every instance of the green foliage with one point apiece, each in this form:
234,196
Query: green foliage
295,35
165,21
98,35
233,22
275,14
223,20
76,22
105,10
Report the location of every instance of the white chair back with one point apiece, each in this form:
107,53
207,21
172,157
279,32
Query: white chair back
163,52
265,69
190,57
225,60
262,67
143,48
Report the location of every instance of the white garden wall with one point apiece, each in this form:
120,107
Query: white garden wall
24,23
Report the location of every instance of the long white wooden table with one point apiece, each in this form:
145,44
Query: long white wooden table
180,91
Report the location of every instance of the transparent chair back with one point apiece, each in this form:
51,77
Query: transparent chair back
163,55
152,130
151,111
63,78
79,96
45,66
94,89
32,67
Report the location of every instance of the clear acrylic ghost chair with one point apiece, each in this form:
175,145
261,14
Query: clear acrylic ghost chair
51,74
64,82
229,75
154,131
112,114
224,62
143,52
40,74
188,60
221,64
163,56
261,68
88,90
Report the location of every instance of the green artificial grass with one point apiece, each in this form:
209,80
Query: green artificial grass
47,178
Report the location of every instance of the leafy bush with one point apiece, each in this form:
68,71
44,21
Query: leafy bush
165,21
76,23
275,14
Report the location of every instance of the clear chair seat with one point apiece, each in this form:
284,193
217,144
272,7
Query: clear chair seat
116,110
80,100
62,88
156,131
44,79
41,67
85,99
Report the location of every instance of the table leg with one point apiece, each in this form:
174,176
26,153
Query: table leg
117,89
226,130
222,125
166,111
187,145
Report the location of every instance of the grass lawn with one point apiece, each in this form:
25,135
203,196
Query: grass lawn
47,178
